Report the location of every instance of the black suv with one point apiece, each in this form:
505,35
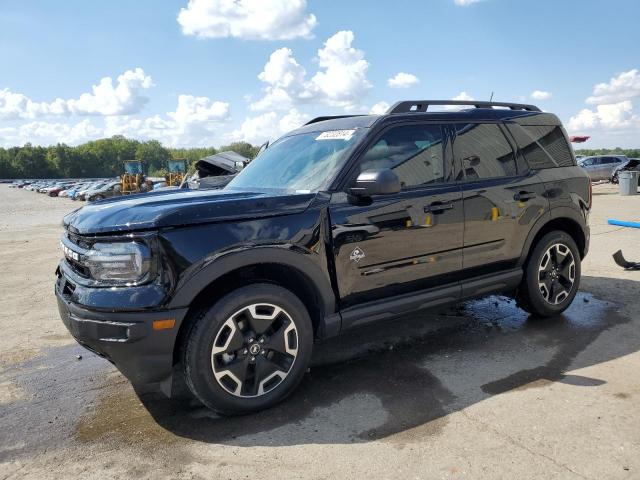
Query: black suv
344,221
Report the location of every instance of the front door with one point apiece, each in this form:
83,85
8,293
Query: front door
405,242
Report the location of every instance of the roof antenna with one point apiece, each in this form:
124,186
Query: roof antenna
491,99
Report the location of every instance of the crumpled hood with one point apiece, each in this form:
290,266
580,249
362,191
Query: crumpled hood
180,207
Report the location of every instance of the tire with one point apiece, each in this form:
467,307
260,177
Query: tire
551,277
249,350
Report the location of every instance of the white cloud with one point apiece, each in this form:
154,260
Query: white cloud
341,80
379,108
16,105
196,121
540,95
464,96
268,126
613,119
621,87
248,19
403,80
192,109
285,80
461,96
608,116
465,3
344,78
126,97
49,133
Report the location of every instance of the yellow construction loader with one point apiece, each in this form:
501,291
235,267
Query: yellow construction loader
133,177
176,170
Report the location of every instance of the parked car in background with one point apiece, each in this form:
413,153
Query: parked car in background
601,167
108,190
70,188
59,188
53,189
82,195
73,192
632,165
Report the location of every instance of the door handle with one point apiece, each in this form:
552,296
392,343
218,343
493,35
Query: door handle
438,207
524,196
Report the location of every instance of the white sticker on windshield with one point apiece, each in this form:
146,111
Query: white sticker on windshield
336,135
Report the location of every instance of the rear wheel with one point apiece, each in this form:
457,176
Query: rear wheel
249,350
551,277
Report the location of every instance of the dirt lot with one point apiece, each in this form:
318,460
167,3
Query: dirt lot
478,391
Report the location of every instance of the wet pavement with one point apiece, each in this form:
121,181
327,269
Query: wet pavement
371,384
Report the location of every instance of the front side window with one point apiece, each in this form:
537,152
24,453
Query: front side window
302,163
413,152
483,151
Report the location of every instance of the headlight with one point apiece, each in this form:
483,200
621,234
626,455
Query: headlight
121,263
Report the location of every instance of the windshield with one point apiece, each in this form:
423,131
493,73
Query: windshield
304,162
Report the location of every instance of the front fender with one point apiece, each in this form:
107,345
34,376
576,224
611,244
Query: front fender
287,255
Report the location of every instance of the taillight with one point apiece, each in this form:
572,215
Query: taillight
590,194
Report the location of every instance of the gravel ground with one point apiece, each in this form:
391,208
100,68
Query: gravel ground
477,391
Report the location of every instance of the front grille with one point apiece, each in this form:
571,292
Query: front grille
78,240
74,247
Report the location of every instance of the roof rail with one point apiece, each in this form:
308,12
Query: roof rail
329,117
423,105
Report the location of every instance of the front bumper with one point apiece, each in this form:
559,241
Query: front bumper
127,339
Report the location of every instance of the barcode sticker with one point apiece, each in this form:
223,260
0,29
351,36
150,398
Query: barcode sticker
336,135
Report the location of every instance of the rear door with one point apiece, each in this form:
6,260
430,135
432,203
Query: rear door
502,198
405,242
605,166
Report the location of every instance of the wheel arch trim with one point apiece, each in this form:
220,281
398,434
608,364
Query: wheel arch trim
212,270
570,217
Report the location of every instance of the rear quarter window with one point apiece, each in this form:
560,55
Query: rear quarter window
543,146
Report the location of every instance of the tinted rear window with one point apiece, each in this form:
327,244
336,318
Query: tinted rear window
544,146
483,151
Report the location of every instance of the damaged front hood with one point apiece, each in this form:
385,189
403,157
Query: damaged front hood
179,208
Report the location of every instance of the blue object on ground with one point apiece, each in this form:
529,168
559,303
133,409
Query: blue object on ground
621,223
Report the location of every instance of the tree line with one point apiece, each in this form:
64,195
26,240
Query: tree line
101,158
629,152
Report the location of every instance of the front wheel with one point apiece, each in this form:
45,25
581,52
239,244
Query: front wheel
551,277
249,350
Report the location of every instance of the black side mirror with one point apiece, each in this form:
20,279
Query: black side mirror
376,182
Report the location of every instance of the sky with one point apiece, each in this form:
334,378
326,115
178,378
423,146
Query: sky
209,72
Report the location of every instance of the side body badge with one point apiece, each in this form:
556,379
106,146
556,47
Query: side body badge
357,255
